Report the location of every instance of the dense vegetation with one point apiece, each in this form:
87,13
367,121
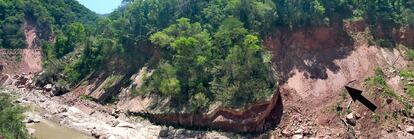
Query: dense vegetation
11,117
49,16
211,50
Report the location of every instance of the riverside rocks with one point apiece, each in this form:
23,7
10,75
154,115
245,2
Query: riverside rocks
31,119
57,110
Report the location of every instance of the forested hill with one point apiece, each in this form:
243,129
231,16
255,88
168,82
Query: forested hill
48,16
209,50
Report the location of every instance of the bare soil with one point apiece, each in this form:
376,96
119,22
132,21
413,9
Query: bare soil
314,65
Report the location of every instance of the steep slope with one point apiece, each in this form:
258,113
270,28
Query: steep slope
316,63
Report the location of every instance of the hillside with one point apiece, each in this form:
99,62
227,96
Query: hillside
273,68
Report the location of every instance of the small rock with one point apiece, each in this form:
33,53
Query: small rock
399,126
47,116
410,129
357,116
27,120
389,100
299,131
59,110
31,120
297,136
113,123
15,76
36,120
126,125
48,87
412,113
18,101
164,132
95,134
350,119
103,137
286,132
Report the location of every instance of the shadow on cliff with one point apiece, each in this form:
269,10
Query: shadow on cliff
311,50
275,116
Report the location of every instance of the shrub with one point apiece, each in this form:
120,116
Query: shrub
11,117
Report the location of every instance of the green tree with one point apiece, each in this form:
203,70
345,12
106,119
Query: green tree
76,34
11,117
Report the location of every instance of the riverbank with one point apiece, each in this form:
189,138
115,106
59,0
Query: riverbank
94,120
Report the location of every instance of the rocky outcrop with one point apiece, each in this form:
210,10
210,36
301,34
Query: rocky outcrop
248,119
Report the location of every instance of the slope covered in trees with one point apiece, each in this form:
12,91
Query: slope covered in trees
49,16
210,51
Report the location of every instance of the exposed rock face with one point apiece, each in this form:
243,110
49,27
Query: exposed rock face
249,119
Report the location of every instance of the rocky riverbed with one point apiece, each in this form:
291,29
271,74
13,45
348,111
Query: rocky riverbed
94,122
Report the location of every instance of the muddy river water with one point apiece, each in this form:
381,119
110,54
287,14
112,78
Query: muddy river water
48,129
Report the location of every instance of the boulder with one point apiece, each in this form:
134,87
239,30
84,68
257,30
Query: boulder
59,90
351,119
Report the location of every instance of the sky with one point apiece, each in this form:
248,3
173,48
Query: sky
101,6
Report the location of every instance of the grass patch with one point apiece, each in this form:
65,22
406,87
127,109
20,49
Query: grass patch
409,88
86,97
109,82
112,100
410,54
378,80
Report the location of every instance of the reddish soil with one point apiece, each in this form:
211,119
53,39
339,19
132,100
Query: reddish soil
28,60
314,64
21,61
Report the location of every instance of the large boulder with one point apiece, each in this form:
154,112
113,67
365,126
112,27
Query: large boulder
58,90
